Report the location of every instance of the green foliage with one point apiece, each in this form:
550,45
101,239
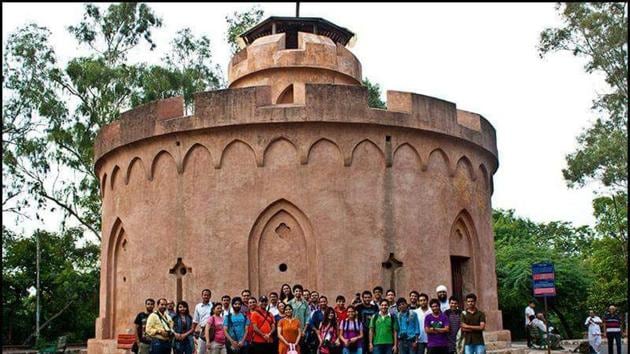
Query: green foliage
519,243
239,23
68,278
51,115
374,94
599,33
187,69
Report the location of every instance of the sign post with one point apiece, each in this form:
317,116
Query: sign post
543,283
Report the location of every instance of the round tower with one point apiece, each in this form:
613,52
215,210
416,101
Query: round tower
285,53
288,176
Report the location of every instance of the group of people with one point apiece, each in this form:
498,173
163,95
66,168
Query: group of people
299,321
611,324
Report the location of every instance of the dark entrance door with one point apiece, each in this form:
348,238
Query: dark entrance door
458,268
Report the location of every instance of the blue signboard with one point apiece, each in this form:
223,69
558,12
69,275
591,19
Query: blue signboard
543,279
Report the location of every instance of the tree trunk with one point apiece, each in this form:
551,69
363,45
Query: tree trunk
563,321
28,339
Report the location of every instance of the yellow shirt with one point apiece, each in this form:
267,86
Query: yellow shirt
155,326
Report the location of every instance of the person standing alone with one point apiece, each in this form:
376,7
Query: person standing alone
529,311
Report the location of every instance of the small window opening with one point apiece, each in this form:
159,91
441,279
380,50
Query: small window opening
283,267
286,96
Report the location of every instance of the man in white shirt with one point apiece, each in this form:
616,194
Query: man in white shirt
203,311
422,310
272,308
594,331
529,311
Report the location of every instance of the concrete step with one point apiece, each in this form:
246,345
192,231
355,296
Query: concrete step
496,345
509,350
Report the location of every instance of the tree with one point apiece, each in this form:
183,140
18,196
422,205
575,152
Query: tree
239,23
52,115
69,295
599,33
519,243
374,94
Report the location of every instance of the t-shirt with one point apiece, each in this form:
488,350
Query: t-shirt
141,320
365,313
351,329
264,321
528,312
613,323
219,335
238,326
454,319
341,314
436,339
384,327
473,319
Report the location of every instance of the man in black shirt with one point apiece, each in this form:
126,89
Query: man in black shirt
143,343
365,311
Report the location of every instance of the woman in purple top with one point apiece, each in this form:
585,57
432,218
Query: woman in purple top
437,326
351,333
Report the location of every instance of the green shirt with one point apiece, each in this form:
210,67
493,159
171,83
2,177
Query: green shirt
384,327
300,311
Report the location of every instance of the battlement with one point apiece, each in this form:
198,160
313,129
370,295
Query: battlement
313,51
322,103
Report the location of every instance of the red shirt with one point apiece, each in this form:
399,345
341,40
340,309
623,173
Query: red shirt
263,320
341,314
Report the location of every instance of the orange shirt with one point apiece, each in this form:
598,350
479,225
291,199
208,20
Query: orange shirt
263,320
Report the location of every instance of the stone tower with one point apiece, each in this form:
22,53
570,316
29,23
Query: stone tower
288,176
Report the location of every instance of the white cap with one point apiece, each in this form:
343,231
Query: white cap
440,288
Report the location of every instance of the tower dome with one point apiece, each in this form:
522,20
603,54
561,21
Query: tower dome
286,53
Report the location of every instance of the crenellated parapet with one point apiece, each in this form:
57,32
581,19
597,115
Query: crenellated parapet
323,103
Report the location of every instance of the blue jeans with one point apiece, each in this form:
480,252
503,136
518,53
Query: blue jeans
359,350
406,346
160,347
383,349
421,348
474,349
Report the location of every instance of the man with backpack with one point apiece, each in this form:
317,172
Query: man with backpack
384,331
235,327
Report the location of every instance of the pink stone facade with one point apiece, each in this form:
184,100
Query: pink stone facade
322,184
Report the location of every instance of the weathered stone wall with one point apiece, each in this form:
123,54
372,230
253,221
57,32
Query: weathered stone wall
248,193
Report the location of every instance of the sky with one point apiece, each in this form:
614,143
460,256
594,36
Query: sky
482,57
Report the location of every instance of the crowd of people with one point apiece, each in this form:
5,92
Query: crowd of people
298,321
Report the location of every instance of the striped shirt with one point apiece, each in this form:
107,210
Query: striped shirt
613,323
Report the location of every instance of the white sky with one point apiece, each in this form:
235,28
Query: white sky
480,56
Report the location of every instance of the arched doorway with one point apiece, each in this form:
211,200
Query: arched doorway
119,281
281,249
462,256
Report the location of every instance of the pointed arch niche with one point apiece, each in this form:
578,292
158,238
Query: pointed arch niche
118,280
281,248
462,245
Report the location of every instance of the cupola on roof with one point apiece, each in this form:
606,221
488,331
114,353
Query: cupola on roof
292,25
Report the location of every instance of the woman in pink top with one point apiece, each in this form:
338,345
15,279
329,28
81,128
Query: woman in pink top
215,323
